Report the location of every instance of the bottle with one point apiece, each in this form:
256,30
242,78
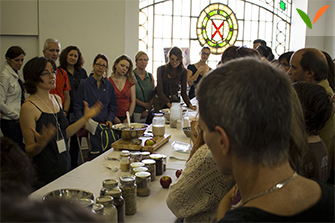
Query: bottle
186,120
135,165
119,203
158,125
108,184
109,208
143,181
129,190
159,163
99,210
135,157
124,160
151,165
175,114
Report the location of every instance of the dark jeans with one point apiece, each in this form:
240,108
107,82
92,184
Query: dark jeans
12,130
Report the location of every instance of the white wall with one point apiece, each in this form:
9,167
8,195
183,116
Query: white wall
99,26
322,34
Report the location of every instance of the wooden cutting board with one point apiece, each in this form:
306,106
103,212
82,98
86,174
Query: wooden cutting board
122,144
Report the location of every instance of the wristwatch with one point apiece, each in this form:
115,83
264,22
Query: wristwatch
146,110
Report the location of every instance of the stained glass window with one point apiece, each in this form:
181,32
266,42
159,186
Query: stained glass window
167,23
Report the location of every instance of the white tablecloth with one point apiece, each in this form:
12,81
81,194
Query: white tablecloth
89,176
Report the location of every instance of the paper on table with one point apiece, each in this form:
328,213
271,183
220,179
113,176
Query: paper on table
91,126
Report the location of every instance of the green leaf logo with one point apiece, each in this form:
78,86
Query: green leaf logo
305,18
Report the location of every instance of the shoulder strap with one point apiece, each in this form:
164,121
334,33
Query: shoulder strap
139,84
35,105
57,102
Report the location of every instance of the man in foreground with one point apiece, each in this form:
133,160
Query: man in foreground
248,134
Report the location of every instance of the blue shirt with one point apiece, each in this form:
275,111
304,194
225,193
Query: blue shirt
88,91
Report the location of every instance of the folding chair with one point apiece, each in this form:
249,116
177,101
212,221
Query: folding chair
83,134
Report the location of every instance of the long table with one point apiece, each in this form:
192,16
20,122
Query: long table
89,176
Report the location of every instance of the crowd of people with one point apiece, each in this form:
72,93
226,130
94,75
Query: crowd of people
265,153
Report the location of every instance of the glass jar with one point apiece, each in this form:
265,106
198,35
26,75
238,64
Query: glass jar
151,165
108,184
158,124
159,163
124,160
119,203
99,210
109,208
135,165
135,157
164,162
175,111
129,190
143,181
145,155
86,203
140,169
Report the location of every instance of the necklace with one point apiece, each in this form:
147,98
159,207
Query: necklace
54,114
275,187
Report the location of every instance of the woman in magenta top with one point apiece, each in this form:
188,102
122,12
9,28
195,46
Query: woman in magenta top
123,80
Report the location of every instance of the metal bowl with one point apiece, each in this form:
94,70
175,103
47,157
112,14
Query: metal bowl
69,194
166,112
134,132
187,131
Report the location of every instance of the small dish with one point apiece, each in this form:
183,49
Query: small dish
181,147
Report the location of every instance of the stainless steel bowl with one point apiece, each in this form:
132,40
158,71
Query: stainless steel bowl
134,132
187,131
166,112
69,194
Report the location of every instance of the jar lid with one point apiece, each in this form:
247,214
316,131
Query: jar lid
145,153
148,161
109,183
98,208
114,192
127,178
158,114
87,203
124,152
156,156
140,169
143,174
163,156
105,200
134,154
136,164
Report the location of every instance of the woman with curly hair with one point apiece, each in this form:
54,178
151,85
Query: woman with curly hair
72,61
122,79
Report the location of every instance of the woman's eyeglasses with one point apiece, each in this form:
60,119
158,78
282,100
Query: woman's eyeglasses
145,60
47,74
101,65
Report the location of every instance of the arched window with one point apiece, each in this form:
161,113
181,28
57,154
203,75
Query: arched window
167,23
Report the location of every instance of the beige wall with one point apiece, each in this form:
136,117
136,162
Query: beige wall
99,26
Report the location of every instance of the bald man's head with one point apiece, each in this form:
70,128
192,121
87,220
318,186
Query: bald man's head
308,64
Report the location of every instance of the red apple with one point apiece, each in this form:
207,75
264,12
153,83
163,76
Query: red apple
165,181
149,142
178,172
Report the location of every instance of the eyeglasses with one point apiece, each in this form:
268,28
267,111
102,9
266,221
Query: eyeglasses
101,65
47,74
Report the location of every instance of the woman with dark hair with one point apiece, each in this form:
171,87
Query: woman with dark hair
234,52
196,71
284,61
171,78
12,94
122,79
47,146
72,61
